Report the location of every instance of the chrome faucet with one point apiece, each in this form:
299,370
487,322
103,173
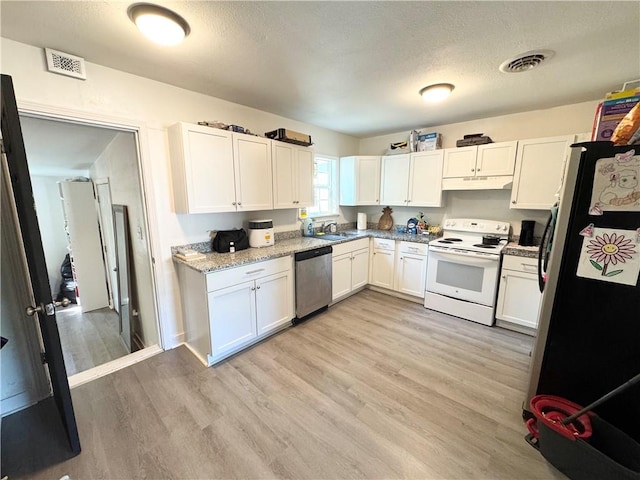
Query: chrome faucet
328,227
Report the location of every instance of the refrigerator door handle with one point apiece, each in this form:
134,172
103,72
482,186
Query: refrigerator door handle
541,249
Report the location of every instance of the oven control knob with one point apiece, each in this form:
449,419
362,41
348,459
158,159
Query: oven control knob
498,227
453,224
505,228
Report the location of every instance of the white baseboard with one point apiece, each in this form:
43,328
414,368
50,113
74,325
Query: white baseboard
393,293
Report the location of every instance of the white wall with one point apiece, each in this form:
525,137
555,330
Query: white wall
51,222
119,163
123,96
487,204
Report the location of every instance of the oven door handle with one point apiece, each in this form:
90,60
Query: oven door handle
469,257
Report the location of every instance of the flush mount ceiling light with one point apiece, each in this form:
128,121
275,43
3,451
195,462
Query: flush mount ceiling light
159,24
525,61
436,92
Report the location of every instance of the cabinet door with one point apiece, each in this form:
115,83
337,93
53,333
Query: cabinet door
232,314
496,159
459,162
540,165
425,179
202,168
341,275
382,268
367,180
395,179
304,164
284,175
412,274
253,177
518,298
273,302
359,268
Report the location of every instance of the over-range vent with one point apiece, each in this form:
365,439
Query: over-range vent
525,61
65,64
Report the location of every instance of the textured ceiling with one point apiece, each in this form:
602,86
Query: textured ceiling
356,67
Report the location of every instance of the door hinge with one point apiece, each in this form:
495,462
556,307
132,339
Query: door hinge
43,357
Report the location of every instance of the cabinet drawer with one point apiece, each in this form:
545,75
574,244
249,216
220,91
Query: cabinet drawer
347,247
384,244
520,264
233,276
413,248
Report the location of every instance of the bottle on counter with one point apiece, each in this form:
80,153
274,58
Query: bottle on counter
232,247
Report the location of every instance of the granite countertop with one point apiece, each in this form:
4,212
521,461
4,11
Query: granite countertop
214,261
512,248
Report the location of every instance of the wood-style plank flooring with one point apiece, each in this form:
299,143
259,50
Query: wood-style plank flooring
89,339
376,387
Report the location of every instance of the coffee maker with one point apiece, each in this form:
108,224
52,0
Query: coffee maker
526,233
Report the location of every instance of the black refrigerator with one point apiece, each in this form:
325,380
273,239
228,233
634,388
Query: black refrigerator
588,340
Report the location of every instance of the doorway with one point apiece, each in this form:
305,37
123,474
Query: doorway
80,173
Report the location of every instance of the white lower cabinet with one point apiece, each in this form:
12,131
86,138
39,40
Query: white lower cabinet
229,310
519,297
412,268
399,266
383,262
350,269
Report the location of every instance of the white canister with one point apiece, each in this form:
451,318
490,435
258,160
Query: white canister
261,233
362,221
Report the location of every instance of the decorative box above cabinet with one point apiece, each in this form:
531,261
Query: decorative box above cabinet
292,175
480,167
216,170
360,180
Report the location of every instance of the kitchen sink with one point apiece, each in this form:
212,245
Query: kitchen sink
335,236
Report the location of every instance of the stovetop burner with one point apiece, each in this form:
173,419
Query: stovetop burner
482,245
451,240
445,241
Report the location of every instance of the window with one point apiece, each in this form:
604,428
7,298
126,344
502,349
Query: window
325,186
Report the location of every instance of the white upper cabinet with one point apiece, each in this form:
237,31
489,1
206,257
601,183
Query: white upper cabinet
202,169
496,159
459,162
253,180
539,170
219,171
360,180
412,179
292,175
395,179
491,159
425,179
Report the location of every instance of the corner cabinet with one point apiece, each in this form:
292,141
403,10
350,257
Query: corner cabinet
350,268
412,179
216,170
229,310
539,171
360,180
519,297
292,175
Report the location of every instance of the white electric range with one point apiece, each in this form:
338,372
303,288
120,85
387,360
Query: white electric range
462,271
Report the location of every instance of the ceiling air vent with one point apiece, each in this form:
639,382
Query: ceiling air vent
65,64
525,61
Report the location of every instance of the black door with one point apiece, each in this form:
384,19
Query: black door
21,185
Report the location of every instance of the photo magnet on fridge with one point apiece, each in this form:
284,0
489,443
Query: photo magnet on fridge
616,184
610,255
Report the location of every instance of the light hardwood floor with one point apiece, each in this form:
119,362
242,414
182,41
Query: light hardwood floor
89,339
376,387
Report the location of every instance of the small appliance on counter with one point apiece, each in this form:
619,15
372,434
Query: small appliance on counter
261,233
526,233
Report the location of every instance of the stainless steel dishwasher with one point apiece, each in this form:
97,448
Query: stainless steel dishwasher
313,281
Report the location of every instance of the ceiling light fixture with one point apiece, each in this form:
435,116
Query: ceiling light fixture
159,24
437,92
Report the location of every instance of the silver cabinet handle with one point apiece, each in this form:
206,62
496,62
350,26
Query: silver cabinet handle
513,201
234,203
251,272
253,288
258,287
473,169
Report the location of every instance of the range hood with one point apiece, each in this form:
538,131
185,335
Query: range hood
501,182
